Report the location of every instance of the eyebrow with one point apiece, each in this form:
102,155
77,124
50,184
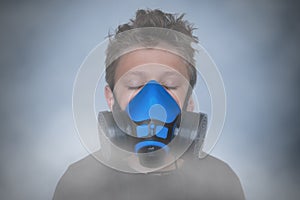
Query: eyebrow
171,73
165,73
138,73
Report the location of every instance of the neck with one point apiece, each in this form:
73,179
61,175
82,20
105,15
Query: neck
170,166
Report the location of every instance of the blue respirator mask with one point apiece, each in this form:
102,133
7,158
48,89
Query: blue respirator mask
155,115
149,123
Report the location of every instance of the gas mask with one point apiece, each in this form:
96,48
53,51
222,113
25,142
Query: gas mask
149,124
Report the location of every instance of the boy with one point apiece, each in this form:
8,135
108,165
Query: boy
150,75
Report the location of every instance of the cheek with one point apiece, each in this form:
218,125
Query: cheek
177,98
124,96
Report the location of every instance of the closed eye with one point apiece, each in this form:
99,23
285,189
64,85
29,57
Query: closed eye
170,87
135,87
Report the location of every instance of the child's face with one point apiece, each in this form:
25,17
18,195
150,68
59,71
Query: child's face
137,68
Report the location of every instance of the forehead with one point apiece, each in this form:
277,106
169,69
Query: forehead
140,57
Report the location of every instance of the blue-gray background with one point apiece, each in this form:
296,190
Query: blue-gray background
255,45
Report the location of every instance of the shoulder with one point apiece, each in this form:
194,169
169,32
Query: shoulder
213,174
87,169
212,164
81,177
88,163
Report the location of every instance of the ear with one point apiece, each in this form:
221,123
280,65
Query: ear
191,105
109,96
